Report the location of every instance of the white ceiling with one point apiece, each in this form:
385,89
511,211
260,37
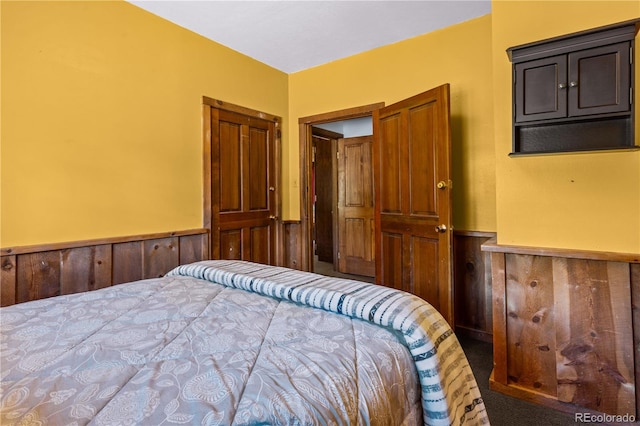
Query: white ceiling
295,35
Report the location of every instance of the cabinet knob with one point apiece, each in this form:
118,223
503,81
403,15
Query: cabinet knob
562,86
573,84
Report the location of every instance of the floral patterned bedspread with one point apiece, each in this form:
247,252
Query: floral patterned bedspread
196,348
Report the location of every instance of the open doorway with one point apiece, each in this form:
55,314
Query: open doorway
341,198
412,174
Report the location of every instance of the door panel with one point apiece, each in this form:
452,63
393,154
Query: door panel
324,193
391,245
258,160
412,156
422,153
231,245
355,207
424,261
243,187
390,198
259,240
230,168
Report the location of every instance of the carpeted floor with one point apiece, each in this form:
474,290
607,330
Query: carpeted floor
504,410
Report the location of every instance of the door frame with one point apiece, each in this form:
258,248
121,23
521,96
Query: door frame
207,160
306,169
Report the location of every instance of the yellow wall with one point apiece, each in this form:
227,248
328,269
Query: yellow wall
101,119
459,55
578,201
100,123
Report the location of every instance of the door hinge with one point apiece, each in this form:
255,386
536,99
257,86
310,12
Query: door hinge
278,133
337,155
338,255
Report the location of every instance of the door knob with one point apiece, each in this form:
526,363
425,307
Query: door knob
441,229
271,188
442,184
272,217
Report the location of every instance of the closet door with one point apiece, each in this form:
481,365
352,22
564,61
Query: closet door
244,211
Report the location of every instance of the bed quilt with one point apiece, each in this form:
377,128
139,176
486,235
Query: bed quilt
233,343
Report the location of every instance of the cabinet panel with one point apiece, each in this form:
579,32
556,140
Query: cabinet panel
538,92
589,135
599,80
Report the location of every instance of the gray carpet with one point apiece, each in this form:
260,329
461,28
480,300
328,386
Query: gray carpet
504,410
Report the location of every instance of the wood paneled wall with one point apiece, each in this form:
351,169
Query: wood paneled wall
472,285
293,250
564,324
36,272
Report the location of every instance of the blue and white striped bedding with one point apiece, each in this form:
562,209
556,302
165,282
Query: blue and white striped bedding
450,394
234,343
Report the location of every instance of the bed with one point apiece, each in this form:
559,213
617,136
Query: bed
234,343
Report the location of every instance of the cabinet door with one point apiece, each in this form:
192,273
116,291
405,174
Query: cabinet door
540,89
599,80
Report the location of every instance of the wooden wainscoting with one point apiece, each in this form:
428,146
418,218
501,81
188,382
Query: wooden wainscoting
565,327
472,284
293,253
37,272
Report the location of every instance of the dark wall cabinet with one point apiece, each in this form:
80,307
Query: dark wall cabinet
574,93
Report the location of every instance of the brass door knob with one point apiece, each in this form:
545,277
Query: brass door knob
441,229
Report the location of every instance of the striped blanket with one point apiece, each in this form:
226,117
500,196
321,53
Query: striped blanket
450,395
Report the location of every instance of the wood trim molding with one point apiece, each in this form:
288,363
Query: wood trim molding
206,173
479,234
345,114
9,251
326,134
493,246
216,103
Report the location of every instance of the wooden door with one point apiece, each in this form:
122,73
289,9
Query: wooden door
356,253
243,187
324,197
413,197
